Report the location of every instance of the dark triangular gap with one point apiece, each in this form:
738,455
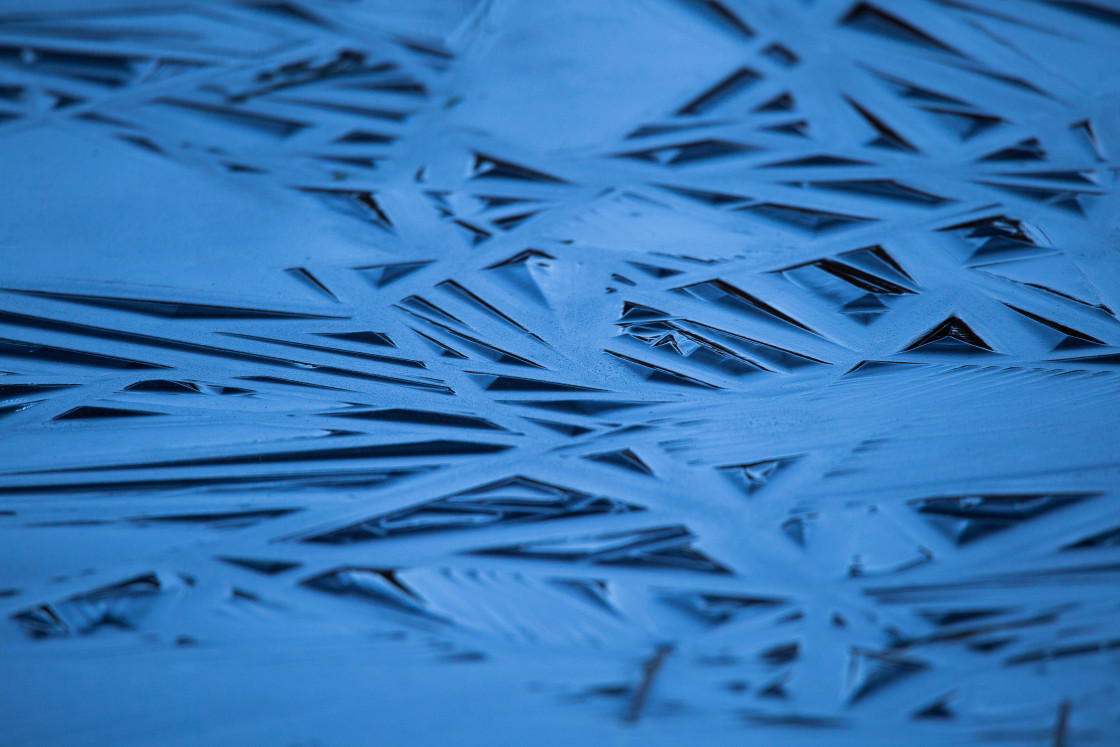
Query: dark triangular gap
624,458
726,89
953,331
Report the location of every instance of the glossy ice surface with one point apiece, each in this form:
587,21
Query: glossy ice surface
586,372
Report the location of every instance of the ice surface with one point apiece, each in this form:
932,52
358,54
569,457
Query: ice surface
503,372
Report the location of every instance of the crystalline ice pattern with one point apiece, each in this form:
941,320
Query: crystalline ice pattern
506,372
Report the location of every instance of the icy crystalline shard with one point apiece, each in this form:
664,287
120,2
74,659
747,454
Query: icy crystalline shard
515,500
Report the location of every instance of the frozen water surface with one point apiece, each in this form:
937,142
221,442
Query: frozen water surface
514,372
